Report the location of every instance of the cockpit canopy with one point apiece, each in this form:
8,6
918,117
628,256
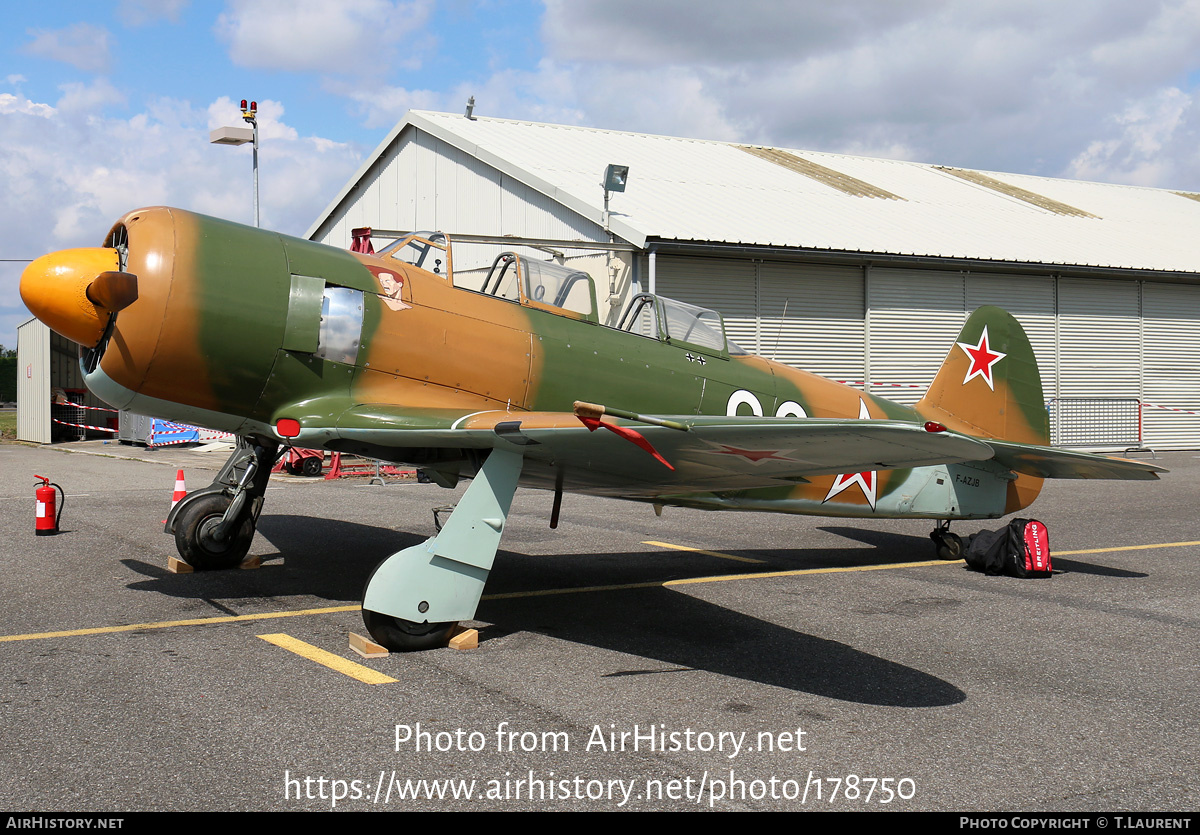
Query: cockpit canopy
678,323
568,291
542,284
427,250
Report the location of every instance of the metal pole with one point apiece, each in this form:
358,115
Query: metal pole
257,221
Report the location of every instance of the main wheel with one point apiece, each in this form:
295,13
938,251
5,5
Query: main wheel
949,546
194,535
400,635
312,466
404,635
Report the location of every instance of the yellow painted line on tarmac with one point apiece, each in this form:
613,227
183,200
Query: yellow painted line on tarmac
166,624
327,659
103,630
797,572
702,551
1054,553
573,590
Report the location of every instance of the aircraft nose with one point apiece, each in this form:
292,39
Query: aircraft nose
75,291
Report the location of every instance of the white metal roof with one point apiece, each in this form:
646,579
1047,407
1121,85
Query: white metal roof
698,190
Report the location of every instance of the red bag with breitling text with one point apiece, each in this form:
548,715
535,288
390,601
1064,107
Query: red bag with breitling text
1020,550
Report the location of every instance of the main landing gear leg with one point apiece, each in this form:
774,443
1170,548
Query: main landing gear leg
213,526
949,546
415,597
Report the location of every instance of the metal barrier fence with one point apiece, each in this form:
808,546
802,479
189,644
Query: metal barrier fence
1096,421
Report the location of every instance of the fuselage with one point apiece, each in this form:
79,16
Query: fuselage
238,329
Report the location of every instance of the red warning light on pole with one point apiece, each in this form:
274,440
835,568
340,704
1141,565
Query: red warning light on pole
243,104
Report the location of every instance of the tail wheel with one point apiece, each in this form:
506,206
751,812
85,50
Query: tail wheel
195,535
949,546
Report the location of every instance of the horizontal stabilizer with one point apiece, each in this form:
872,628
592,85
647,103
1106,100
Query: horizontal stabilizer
1048,462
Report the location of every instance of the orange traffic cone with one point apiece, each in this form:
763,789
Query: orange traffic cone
180,491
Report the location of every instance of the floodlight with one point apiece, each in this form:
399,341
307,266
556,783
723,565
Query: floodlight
615,177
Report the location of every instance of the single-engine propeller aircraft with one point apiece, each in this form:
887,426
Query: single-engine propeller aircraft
285,341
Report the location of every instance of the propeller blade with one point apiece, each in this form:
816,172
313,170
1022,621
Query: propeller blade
113,290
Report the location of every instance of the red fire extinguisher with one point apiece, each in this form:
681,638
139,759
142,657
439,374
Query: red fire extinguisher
47,521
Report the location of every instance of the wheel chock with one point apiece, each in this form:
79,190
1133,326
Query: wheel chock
178,566
463,639
366,647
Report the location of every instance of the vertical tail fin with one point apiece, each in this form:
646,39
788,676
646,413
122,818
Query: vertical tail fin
989,385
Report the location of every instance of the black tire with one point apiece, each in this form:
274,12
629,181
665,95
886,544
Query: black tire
193,535
312,466
949,546
404,635
399,635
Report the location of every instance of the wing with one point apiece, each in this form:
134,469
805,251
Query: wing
675,454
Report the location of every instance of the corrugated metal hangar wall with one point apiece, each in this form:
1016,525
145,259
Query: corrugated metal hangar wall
1111,334
1094,338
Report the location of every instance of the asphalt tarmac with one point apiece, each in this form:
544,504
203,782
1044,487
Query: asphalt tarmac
783,663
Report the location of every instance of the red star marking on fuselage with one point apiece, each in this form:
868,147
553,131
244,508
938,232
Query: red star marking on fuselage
864,480
756,456
982,359
867,481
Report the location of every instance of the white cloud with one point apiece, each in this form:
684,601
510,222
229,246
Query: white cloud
349,37
1021,85
143,12
89,98
1155,144
673,32
69,172
18,104
82,45
382,107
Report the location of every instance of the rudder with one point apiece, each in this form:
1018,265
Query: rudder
989,385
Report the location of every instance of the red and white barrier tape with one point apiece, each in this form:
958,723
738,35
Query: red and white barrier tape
1167,408
84,426
889,385
66,402
152,443
1144,404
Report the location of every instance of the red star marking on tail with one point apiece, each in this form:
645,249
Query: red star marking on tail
982,359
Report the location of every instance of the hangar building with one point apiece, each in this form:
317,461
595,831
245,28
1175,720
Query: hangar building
858,269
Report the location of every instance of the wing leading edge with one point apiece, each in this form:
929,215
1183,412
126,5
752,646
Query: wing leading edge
712,452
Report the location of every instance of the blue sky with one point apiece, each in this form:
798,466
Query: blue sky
106,106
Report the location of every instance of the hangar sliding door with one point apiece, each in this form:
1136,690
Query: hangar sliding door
1093,338
916,315
807,316
811,317
725,285
913,318
1099,352
1171,365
